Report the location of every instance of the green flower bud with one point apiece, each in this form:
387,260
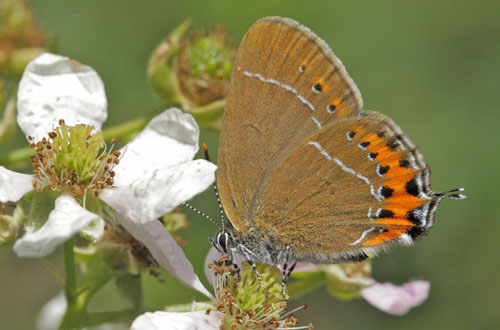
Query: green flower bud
175,221
345,281
20,38
193,71
9,223
19,58
122,252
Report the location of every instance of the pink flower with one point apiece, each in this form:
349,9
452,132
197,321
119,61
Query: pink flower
394,299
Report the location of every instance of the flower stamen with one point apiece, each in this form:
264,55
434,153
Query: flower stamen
73,159
245,307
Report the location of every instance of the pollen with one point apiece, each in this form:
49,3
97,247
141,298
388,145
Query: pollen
73,159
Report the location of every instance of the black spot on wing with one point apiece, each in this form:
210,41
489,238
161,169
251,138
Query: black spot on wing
404,163
385,214
412,187
415,232
364,144
381,170
386,192
317,88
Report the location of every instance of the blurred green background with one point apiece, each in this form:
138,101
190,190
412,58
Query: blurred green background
433,66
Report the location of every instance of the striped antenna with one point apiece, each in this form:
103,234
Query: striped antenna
203,214
207,157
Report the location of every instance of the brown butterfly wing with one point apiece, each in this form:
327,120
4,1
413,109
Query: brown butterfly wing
286,82
352,186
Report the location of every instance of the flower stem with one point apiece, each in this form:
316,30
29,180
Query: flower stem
75,310
124,130
69,271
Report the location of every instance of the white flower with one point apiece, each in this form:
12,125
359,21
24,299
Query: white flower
155,173
178,321
52,314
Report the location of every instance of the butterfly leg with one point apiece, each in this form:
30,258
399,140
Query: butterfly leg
286,271
248,255
235,266
286,276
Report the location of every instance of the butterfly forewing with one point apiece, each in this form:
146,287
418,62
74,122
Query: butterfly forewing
273,107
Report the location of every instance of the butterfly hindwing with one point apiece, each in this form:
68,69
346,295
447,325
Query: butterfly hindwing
359,181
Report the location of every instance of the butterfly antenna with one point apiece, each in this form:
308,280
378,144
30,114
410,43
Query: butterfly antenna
451,194
203,214
207,157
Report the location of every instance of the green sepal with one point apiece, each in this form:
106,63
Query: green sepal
41,205
344,287
130,286
304,283
161,68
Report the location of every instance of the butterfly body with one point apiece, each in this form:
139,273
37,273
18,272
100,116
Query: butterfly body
305,174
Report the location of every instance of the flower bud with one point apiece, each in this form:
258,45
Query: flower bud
345,281
8,124
122,252
9,223
20,39
175,221
193,71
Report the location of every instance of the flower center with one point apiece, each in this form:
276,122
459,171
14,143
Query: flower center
73,159
244,306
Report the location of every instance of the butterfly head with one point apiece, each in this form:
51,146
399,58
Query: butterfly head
223,241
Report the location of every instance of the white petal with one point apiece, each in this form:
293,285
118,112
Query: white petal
394,299
67,219
169,139
55,87
52,313
178,321
156,192
14,185
165,250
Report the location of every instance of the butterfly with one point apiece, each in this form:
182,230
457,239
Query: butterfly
304,172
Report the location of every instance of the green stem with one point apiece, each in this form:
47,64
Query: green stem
69,271
121,131
16,156
75,309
